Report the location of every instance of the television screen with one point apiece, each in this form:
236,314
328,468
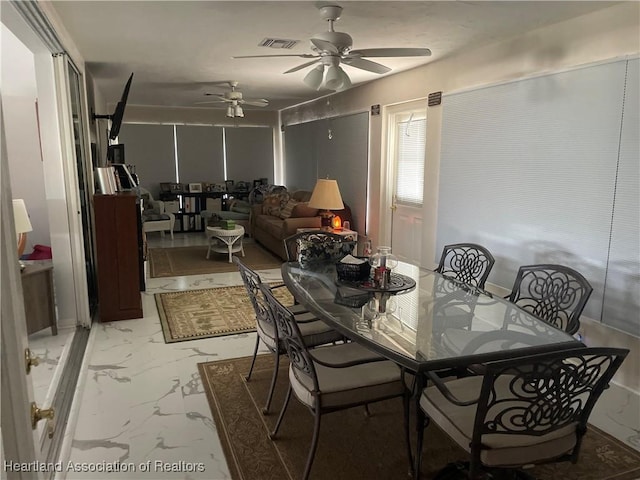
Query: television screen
115,153
116,118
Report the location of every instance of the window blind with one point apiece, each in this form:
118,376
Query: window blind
200,153
411,137
249,153
528,169
150,149
621,300
337,148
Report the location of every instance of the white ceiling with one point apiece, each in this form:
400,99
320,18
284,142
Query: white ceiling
178,49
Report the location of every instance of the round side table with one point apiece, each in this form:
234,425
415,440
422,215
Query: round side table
225,241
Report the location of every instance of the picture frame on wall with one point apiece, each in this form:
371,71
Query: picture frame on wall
195,188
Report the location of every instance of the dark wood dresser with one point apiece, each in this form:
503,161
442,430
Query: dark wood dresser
119,255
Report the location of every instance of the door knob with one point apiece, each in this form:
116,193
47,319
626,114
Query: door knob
38,414
30,360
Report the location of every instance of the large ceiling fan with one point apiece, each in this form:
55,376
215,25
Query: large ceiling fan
334,48
234,100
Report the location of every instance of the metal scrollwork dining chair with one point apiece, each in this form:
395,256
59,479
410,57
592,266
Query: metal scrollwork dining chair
555,293
520,412
314,331
332,378
468,263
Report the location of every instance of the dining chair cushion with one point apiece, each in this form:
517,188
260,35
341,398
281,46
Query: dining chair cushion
314,331
498,449
348,386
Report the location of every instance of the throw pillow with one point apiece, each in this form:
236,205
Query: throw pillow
288,209
303,210
312,252
271,205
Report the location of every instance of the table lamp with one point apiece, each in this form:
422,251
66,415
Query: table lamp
23,225
326,196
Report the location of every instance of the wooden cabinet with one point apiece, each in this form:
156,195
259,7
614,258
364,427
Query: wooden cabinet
119,254
39,303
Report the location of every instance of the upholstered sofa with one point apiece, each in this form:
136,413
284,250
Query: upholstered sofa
280,215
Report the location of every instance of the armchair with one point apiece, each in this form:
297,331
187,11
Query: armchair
154,216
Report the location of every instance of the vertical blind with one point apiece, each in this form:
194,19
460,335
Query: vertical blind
530,169
411,137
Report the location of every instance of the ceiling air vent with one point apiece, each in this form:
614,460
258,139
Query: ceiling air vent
278,43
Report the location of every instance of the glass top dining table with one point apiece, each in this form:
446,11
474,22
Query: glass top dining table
438,324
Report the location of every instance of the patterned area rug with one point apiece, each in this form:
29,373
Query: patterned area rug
179,261
211,312
352,446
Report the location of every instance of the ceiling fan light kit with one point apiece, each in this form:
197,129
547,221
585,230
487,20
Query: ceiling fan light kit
332,48
235,100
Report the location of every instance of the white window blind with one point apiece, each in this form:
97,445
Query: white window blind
411,137
529,170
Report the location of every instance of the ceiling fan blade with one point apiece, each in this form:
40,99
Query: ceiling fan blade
368,65
261,102
391,52
219,95
300,55
324,46
209,102
304,65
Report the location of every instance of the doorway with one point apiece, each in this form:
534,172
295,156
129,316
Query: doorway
41,170
406,127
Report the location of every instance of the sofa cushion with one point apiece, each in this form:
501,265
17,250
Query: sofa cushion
274,203
301,195
302,210
270,224
287,210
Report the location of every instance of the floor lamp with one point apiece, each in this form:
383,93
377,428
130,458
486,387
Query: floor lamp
23,225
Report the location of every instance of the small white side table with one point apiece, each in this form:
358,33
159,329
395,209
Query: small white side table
225,241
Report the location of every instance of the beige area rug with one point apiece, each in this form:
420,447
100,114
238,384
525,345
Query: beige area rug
179,261
352,446
212,312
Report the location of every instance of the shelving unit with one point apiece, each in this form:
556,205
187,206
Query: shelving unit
188,217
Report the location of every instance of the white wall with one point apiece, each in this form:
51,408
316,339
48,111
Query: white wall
602,35
19,96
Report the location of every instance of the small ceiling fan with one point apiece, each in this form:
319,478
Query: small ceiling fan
333,48
234,100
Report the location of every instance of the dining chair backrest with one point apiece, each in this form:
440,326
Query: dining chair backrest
466,262
545,396
291,243
299,357
555,293
253,284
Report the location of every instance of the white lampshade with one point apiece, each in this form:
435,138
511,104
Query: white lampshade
334,78
314,77
21,217
346,81
238,111
230,112
326,195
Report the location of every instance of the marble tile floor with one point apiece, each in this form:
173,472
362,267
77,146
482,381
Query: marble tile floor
51,351
142,403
